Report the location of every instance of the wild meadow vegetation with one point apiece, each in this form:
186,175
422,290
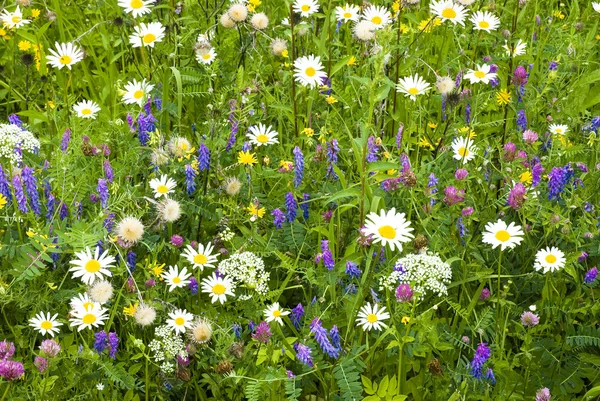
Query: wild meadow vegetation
308,200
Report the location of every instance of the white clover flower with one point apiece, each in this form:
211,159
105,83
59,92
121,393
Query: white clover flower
248,269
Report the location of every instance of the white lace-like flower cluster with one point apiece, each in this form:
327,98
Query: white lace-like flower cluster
166,346
12,137
248,269
425,272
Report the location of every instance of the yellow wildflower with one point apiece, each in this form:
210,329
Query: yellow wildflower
51,286
405,320
331,100
3,201
35,12
396,6
247,158
526,178
267,160
432,125
50,104
24,45
559,15
404,28
158,269
391,172
308,132
285,54
386,154
352,61
131,309
428,25
2,32
285,166
425,143
255,211
503,97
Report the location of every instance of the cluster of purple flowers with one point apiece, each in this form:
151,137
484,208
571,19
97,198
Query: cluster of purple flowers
203,158
326,255
234,126
190,179
299,166
303,354
278,218
292,206
297,315
332,157
482,354
9,370
262,333
104,341
322,338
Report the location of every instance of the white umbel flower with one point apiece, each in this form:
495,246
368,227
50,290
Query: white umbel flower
130,230
218,288
162,186
176,278
262,135
425,272
481,74
201,257
180,320
90,266
372,317
463,149
550,259
136,7
147,34
389,228
14,19
412,86
45,324
447,10
306,7
86,109
500,234
308,70
379,16
274,313
559,129
136,92
349,12
65,55
206,56
485,21
88,317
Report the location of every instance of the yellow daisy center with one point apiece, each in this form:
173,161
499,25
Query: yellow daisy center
387,232
413,91
200,259
149,38
347,15
219,289
86,112
372,318
463,152
262,138
310,72
90,318
162,189
306,8
136,4
484,24
176,280
449,13
502,236
65,60
179,321
550,259
376,20
138,94
559,130
16,19
92,266
479,74
276,313
206,56
46,325
88,305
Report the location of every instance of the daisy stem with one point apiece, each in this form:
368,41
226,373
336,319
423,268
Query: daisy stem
498,293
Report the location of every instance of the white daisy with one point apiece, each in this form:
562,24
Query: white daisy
463,149
306,7
308,70
389,228
86,109
412,86
147,34
88,317
206,56
448,11
175,278
481,74
83,301
379,16
14,19
45,324
261,135
371,317
349,12
91,267
202,257
218,288
162,186
136,92
499,233
559,129
180,320
549,260
518,50
596,6
65,55
136,7
274,313
485,21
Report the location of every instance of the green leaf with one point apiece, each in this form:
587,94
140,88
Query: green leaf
367,385
383,386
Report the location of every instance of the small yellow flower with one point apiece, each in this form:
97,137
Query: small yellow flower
432,125
425,143
526,178
391,172
597,37
404,29
405,320
286,166
352,61
503,97
35,12
251,8
254,211
3,201
51,286
559,15
427,27
158,269
131,309
331,100
266,160
285,54
50,104
247,158
308,132
24,45
2,32
396,6
386,154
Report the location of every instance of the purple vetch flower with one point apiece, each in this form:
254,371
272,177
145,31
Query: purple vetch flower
458,80
335,337
100,342
322,338
328,261
460,174
352,270
558,179
131,123
131,261
404,293
405,162
190,176
292,207
536,173
591,275
5,186
553,65
453,195
113,343
263,333
303,354
482,354
332,158
490,376
109,222
108,171
11,370
19,194
278,218
468,113
529,319
102,189
31,187
290,374
372,150
485,294
521,120
516,196
399,135
297,315
299,163
237,330
304,205
50,347
7,349
40,363
495,81
15,120
203,158
543,395
193,285
462,231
